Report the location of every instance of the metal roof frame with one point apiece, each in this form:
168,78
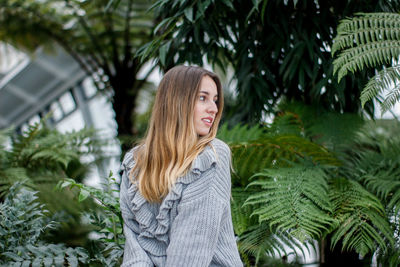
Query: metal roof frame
32,85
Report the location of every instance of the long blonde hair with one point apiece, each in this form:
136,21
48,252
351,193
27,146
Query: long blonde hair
171,143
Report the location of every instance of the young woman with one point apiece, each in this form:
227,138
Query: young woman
175,189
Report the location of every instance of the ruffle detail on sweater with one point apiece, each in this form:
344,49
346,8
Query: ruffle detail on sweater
154,228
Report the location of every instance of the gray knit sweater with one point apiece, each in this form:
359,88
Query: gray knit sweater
192,226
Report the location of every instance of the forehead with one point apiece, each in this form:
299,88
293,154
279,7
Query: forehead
208,85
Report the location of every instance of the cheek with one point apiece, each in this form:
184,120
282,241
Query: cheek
196,113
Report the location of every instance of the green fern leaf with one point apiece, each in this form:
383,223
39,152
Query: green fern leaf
363,224
392,97
366,56
384,80
255,156
294,200
366,41
240,133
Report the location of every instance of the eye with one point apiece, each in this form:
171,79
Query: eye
202,98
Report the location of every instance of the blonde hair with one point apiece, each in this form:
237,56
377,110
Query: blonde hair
171,143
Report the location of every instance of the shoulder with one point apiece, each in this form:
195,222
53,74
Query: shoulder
129,160
220,145
212,171
216,154
222,150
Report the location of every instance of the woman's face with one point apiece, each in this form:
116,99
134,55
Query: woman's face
205,107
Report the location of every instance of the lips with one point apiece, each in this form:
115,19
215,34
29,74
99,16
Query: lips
208,121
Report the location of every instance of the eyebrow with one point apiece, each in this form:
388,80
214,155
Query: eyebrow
207,93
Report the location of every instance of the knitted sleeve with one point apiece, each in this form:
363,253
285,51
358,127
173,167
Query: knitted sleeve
134,255
196,229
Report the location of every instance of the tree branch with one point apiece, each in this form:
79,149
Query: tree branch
127,33
109,24
103,59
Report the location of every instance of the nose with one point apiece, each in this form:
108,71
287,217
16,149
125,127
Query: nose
212,108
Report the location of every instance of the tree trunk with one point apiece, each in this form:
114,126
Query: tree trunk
124,104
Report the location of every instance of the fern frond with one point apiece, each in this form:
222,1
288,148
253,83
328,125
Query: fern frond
366,56
41,145
256,239
20,142
241,218
363,225
383,80
271,151
365,28
332,130
293,200
391,98
240,133
377,168
367,40
259,241
391,259
287,123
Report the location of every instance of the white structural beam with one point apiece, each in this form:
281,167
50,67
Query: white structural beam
18,91
4,122
46,100
10,75
52,68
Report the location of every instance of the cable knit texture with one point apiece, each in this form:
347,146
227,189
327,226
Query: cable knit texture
193,224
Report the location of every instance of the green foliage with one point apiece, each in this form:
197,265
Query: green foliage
271,151
240,133
370,40
383,80
293,200
275,48
363,223
107,220
96,34
256,239
23,222
304,181
366,40
331,130
378,168
41,156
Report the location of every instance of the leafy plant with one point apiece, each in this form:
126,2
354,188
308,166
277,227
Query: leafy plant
274,49
41,157
371,40
293,199
22,224
363,224
107,220
304,183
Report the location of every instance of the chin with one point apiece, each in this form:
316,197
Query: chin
203,133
